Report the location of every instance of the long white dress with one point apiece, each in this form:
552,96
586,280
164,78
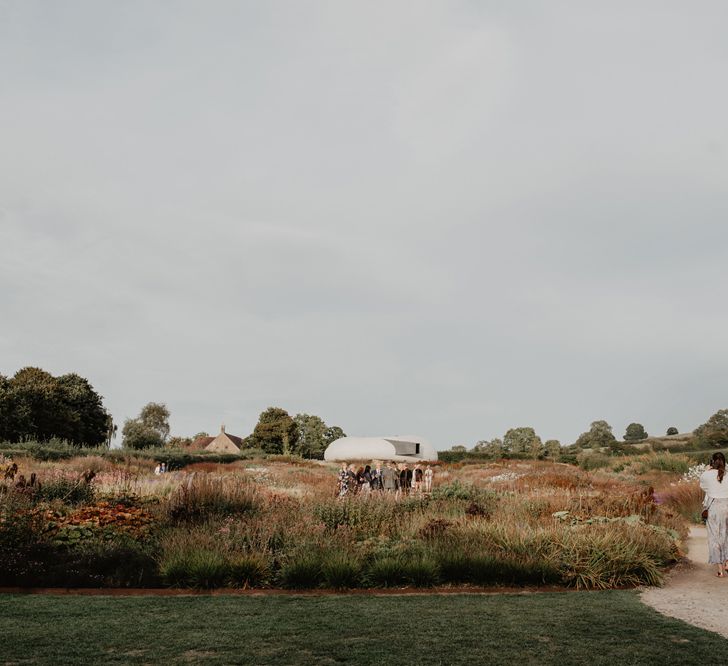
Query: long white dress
716,501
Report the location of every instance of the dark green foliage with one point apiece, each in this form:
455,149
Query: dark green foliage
599,435
150,429
714,432
301,570
118,562
591,461
36,405
340,570
249,570
635,432
313,436
69,491
457,566
523,441
197,568
175,459
275,432
672,430
402,570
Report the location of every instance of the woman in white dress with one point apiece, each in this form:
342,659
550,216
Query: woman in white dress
715,487
428,479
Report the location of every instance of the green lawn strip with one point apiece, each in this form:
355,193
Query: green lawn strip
551,628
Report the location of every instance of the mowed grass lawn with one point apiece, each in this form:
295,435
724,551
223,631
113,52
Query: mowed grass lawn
551,628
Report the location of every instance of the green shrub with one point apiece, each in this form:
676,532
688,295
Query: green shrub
397,571
609,556
248,570
366,516
486,569
301,571
69,491
665,462
593,460
197,568
340,570
120,562
456,491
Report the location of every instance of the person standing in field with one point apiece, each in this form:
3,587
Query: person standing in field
428,479
417,478
389,478
715,486
353,481
405,479
376,482
343,480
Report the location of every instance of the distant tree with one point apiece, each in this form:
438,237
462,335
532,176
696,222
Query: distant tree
36,405
522,441
459,448
149,429
311,437
178,442
199,435
599,435
111,429
714,432
275,431
87,420
136,435
635,432
155,415
552,449
332,434
492,448
672,430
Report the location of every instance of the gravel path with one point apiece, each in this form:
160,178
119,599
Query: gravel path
692,592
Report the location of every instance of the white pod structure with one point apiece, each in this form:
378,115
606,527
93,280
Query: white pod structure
402,449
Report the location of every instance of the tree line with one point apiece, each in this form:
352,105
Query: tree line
276,431
35,405
523,442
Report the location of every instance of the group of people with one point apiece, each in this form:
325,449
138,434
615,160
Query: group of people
161,468
387,478
715,503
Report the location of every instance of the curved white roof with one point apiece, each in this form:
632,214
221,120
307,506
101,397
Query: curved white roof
400,448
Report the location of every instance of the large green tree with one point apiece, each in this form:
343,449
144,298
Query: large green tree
314,435
714,432
599,435
275,431
522,441
492,448
552,449
36,405
149,429
635,432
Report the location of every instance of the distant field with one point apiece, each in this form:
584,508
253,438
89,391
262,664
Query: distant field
557,628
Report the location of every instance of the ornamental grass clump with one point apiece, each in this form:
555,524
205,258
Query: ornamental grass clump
248,570
663,462
340,570
686,499
196,567
419,570
614,555
203,496
301,570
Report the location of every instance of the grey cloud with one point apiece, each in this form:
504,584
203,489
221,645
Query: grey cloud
451,218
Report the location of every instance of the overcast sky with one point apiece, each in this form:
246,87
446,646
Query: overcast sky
442,218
